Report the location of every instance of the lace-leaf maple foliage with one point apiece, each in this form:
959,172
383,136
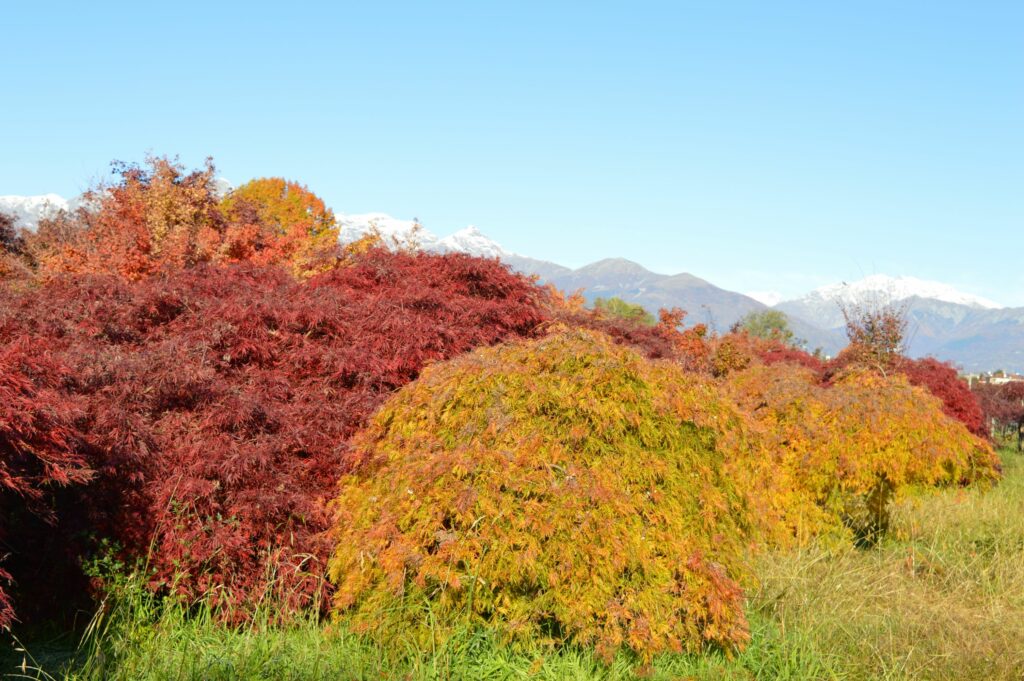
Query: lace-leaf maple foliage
39,450
840,453
218,401
942,380
276,220
559,489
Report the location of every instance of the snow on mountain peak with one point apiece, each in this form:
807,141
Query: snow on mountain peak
471,240
769,298
468,240
29,210
353,227
883,288
55,199
222,186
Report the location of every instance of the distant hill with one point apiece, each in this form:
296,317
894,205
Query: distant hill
704,302
616,277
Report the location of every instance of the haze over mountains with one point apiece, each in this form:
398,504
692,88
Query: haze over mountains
975,333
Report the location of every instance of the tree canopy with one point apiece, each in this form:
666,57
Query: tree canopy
158,216
772,325
617,307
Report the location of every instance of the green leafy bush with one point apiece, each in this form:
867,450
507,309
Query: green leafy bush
618,308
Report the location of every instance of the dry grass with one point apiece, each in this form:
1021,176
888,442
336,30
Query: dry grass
941,598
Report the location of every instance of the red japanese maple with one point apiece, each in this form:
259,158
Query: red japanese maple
217,401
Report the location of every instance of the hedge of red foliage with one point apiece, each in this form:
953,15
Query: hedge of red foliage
942,380
1002,405
39,447
776,352
218,401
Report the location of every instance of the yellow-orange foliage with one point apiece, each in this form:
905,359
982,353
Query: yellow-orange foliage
837,455
560,489
153,218
290,222
159,217
13,268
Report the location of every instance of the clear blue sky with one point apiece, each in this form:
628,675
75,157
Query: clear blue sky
761,145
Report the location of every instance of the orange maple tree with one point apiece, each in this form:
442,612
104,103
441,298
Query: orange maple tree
273,220
158,217
155,217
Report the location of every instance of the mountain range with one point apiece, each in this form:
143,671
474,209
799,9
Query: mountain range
972,332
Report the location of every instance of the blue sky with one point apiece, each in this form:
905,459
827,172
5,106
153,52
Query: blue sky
762,145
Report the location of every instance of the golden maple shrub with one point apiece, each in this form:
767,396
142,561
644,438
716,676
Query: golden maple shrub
275,220
563,489
838,455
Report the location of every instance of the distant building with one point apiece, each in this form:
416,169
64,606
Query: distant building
999,377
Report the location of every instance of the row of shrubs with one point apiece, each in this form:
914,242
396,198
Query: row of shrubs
570,487
506,457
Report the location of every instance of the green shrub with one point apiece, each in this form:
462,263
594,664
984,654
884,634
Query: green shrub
618,308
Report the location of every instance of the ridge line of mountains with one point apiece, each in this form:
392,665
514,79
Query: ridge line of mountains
974,333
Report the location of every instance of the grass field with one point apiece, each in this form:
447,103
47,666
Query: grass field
942,597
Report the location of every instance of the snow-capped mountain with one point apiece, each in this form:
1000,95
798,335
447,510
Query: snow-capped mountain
824,305
353,227
898,288
769,298
974,332
472,240
222,186
469,240
29,210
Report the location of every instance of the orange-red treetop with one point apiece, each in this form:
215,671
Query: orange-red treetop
159,217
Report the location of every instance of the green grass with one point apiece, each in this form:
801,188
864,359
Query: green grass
942,597
194,648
